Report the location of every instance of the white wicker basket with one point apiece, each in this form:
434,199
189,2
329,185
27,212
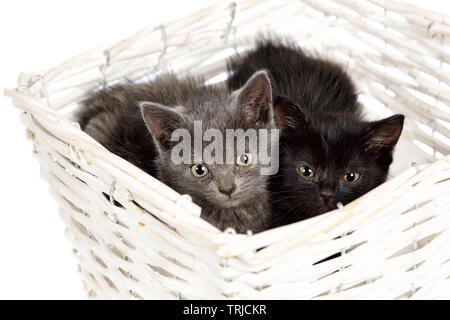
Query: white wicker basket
395,240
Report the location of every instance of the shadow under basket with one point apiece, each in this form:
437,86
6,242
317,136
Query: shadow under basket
136,238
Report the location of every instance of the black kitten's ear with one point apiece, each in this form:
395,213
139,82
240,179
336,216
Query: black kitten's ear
254,100
384,134
161,121
287,114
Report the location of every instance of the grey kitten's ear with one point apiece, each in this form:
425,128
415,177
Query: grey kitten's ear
287,114
161,121
384,134
254,100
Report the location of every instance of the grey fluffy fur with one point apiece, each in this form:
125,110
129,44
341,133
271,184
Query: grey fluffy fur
113,117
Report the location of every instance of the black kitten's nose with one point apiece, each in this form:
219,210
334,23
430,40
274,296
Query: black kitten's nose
327,195
228,190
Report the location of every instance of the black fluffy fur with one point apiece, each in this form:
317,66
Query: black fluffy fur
322,128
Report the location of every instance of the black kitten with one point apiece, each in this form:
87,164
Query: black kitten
328,153
135,121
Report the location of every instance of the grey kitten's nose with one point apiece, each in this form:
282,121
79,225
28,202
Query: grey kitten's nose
228,190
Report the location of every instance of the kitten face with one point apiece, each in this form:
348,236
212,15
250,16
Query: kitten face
221,185
331,160
235,188
321,175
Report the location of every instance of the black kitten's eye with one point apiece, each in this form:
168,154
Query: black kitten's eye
306,172
199,170
244,160
351,176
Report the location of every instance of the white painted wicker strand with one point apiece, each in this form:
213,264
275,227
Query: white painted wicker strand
395,240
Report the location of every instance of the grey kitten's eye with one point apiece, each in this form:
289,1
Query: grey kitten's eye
351,176
306,172
199,170
244,160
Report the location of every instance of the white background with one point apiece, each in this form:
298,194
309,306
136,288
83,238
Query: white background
35,259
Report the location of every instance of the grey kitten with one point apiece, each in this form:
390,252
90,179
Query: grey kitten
231,195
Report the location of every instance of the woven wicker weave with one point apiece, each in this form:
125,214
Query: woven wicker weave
395,240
